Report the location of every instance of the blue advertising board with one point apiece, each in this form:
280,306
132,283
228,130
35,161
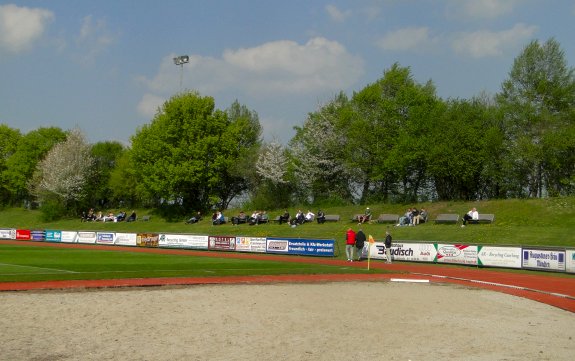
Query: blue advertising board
53,236
304,247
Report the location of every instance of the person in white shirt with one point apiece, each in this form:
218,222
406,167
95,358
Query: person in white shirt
309,216
471,215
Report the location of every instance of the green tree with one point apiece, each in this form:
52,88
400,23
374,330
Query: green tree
9,139
20,166
106,155
537,102
185,156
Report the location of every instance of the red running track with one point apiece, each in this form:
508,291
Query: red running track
553,289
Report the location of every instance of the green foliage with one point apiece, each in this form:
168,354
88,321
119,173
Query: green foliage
53,208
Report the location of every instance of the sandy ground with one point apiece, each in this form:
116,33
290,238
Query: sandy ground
330,321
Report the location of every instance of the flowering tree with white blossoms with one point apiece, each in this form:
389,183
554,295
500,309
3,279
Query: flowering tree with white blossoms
274,189
64,173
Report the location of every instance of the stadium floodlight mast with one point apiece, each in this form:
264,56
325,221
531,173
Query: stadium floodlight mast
181,60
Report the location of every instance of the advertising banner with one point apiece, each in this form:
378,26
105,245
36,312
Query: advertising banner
222,243
542,259
147,240
86,237
457,253
7,233
492,256
125,239
53,236
570,261
304,247
38,235
105,238
183,241
251,244
402,251
23,234
69,236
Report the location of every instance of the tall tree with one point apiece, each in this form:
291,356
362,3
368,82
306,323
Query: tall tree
20,166
106,155
537,101
9,139
185,154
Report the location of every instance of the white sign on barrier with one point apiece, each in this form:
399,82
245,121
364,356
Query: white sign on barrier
125,239
457,253
69,236
183,241
570,261
86,237
402,251
493,256
7,233
251,244
543,259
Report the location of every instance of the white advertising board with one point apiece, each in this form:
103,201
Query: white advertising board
125,239
457,253
86,237
69,236
570,261
251,244
543,259
183,241
7,233
402,251
492,256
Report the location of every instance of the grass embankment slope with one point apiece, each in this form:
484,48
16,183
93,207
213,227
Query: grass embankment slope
540,222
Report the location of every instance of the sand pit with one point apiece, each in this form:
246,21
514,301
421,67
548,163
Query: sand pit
329,321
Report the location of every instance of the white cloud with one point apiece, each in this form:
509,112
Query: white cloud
94,37
484,9
488,43
279,67
336,14
149,104
405,39
20,27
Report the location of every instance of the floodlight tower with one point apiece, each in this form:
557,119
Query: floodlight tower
181,60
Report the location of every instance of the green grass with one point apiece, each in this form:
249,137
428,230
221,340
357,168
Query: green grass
28,263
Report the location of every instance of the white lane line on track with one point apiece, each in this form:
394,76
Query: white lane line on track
503,285
38,268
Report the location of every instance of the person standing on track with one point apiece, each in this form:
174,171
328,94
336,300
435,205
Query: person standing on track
349,244
359,243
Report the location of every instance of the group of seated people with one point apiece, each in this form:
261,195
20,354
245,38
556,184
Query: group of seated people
413,217
301,218
92,216
256,218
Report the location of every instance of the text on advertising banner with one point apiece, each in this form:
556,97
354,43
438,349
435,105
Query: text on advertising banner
251,244
304,247
69,236
147,240
23,234
493,256
37,234
7,233
222,243
125,239
53,236
570,261
183,241
105,238
457,253
543,259
402,251
86,237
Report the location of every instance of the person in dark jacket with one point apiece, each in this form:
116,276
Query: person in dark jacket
320,217
388,246
359,243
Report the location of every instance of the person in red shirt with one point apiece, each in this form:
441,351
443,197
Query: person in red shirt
349,244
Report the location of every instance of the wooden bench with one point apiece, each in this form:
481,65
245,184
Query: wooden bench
388,218
447,218
355,217
145,218
485,218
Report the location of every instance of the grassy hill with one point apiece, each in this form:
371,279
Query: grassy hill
543,222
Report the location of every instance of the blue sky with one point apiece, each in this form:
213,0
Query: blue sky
106,65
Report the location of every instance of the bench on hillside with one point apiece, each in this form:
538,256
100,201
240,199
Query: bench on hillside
356,217
332,217
447,218
388,218
485,218
145,218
